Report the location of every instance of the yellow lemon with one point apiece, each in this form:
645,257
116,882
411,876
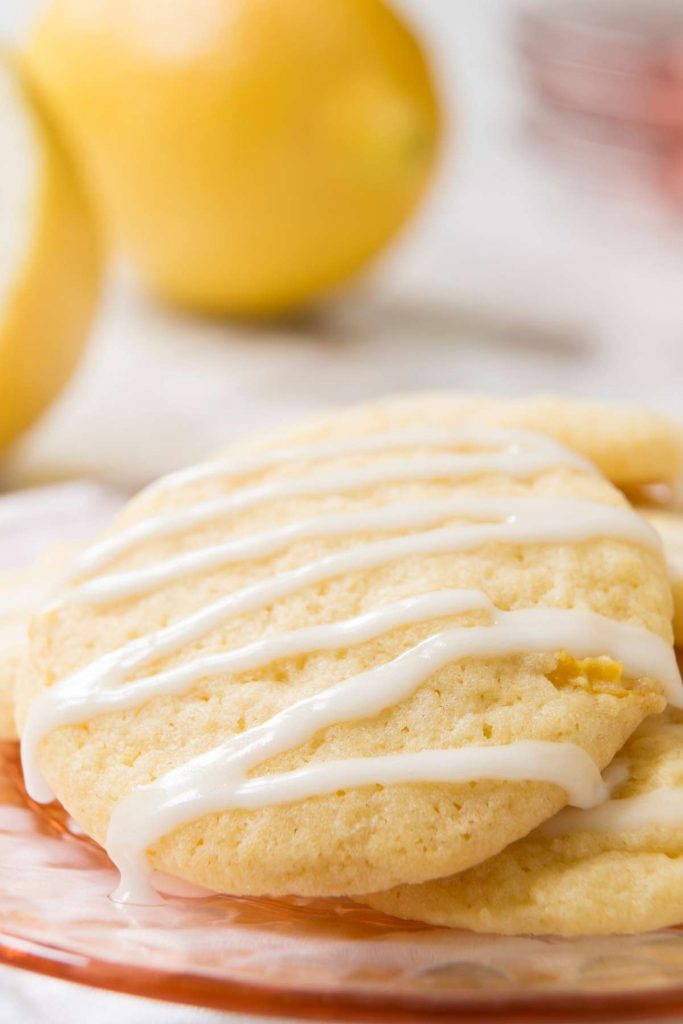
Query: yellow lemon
48,258
248,153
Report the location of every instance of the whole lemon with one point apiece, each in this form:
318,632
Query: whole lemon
248,153
49,256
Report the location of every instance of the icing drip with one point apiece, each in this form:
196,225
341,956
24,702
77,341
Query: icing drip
655,808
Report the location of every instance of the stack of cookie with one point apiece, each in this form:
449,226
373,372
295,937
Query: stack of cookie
418,653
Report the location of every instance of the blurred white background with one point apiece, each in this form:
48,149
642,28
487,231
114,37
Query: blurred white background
506,282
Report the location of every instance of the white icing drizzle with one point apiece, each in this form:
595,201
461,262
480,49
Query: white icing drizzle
156,810
521,465
206,783
219,779
98,688
520,520
510,441
656,808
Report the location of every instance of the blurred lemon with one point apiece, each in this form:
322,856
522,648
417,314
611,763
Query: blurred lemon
248,153
48,258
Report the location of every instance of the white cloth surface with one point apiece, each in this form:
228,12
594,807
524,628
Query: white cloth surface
27,998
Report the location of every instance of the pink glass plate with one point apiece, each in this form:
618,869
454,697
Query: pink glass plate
298,958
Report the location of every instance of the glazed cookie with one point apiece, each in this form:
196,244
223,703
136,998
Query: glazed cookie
615,868
669,525
631,446
349,662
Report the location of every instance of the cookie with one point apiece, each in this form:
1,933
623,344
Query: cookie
350,662
617,868
669,525
632,446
